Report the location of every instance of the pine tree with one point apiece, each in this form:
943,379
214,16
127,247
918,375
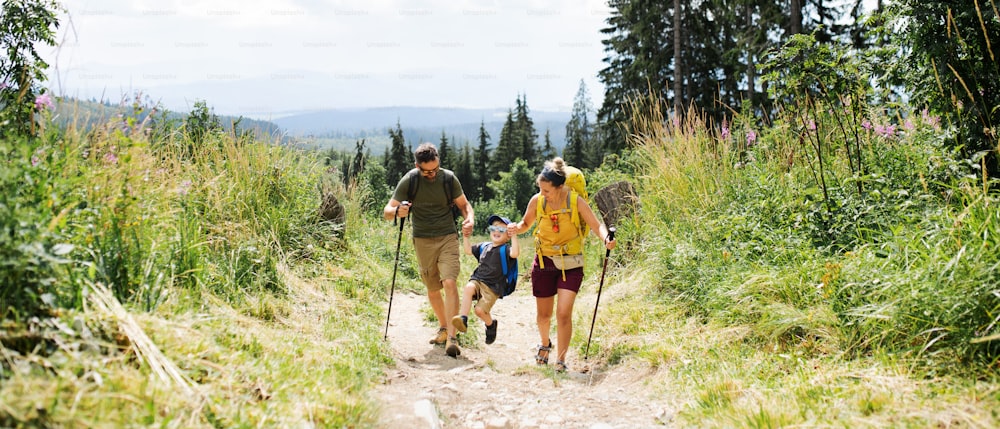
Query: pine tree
444,153
508,148
481,164
358,164
548,151
463,171
524,133
579,131
399,159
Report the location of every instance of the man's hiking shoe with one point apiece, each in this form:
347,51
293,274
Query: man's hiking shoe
440,337
461,323
491,332
452,348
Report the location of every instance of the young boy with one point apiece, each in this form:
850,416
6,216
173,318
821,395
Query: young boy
487,282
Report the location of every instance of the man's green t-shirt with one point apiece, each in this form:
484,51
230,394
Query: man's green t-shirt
430,212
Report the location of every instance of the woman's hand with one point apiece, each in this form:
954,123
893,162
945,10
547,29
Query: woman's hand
512,229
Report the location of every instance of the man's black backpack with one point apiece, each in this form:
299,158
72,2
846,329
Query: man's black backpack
449,188
508,264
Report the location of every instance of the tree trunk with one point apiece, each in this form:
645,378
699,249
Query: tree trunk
751,64
796,18
678,101
332,211
616,201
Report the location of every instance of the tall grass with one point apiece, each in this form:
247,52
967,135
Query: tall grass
757,235
209,252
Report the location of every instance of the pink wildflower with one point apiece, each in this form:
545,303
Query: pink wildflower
812,125
185,186
751,137
909,125
885,130
43,102
725,129
934,121
866,124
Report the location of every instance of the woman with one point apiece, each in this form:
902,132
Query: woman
558,266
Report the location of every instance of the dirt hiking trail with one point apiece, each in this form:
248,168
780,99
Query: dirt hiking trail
499,385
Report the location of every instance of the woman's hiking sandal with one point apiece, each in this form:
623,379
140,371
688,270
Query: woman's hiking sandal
561,366
542,360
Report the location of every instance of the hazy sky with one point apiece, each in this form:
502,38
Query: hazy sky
265,57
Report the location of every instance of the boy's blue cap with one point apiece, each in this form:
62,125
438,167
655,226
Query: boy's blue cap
494,218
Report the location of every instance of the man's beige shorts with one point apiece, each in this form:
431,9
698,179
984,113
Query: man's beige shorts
486,295
438,259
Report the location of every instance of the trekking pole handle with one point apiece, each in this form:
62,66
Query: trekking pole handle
396,217
611,237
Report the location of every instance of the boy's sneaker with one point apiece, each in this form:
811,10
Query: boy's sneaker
461,323
452,348
491,332
440,337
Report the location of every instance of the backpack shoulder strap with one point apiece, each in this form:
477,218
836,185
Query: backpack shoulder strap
414,181
449,186
503,258
539,208
574,213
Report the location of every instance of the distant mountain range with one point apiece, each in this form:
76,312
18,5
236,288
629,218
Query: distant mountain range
341,128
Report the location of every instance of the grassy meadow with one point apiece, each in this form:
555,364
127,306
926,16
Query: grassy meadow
807,273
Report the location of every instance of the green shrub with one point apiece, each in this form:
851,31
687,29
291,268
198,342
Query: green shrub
37,269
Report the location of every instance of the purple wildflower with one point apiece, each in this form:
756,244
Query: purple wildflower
185,186
811,125
110,158
751,137
43,102
934,121
885,130
909,125
725,129
35,160
866,124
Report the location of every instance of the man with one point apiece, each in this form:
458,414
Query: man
435,238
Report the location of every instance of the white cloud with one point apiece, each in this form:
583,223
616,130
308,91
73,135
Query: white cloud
290,54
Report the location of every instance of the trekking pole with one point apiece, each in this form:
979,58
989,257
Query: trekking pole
394,266
607,254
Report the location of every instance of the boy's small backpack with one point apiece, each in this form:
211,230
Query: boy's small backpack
508,264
